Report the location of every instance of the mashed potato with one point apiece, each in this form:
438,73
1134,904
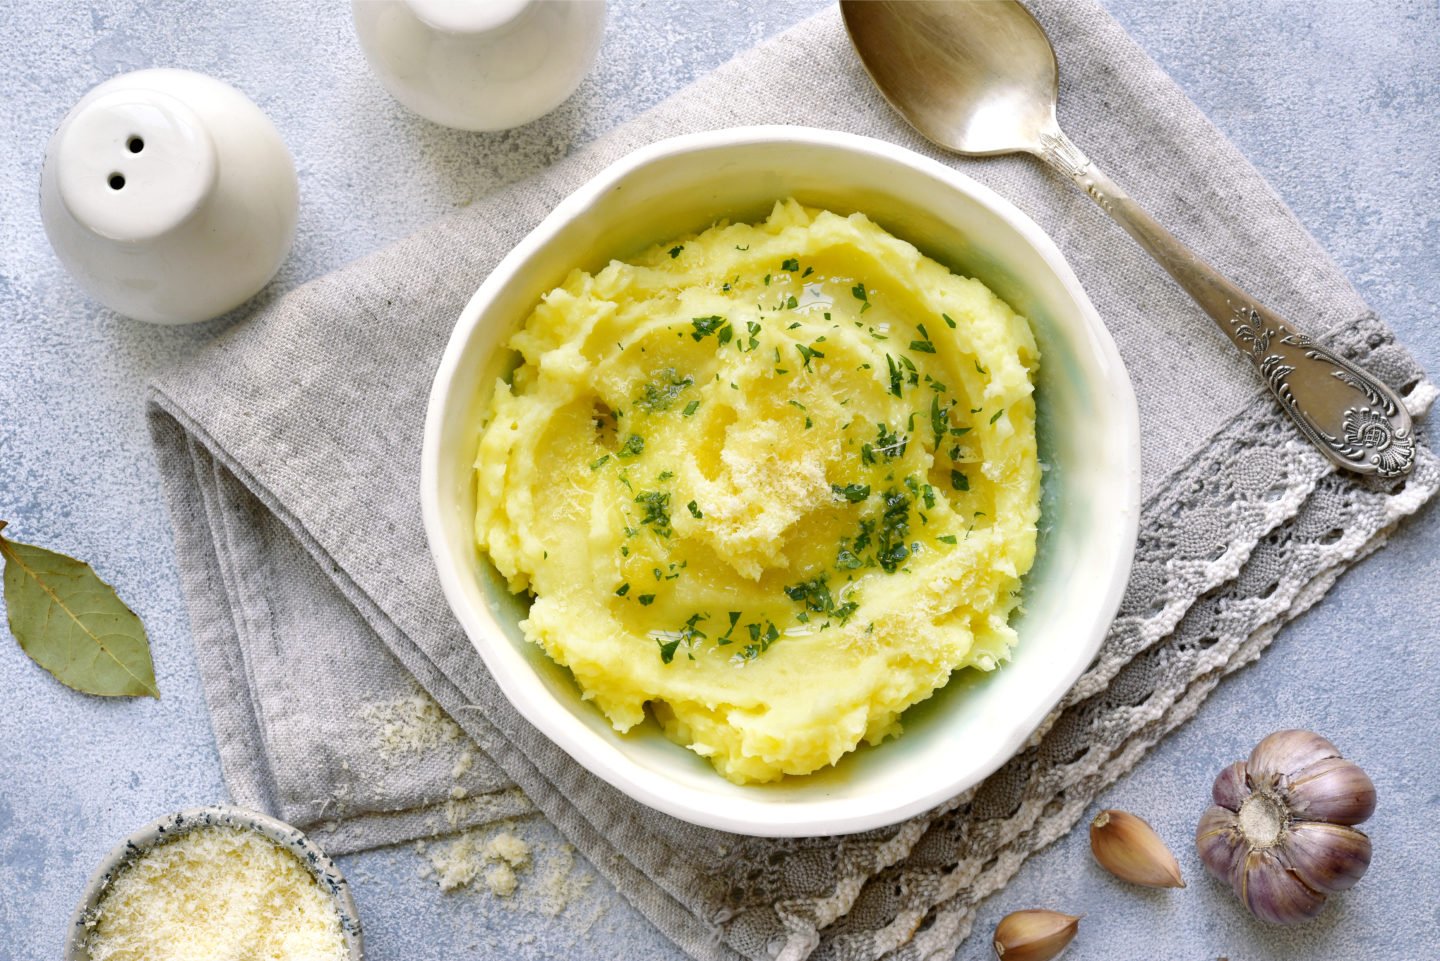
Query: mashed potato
776,481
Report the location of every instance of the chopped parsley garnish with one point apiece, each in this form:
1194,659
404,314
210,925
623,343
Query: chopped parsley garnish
791,303
705,326
762,640
861,294
734,619
854,493
790,264
690,408
815,595
947,320
958,480
675,251
923,344
806,353
600,462
897,376
795,403
623,589
808,272
646,599
946,538
894,526
912,376
657,511
889,443
634,445
694,510
979,369
996,416
660,394
848,557
670,641
938,420
754,329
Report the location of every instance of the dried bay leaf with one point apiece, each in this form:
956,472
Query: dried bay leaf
73,624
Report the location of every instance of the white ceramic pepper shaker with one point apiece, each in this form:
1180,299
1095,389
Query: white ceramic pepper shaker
480,64
169,196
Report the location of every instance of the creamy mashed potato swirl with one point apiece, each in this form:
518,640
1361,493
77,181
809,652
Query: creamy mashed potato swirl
776,481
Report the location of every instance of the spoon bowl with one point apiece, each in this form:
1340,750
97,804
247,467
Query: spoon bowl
991,78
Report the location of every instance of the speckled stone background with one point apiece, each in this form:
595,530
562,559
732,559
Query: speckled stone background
1337,102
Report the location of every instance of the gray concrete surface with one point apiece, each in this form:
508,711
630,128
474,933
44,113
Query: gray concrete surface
1337,102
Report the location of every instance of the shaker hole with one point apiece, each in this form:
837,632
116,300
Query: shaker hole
135,144
117,181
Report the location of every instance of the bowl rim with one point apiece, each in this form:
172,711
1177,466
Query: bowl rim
798,819
167,827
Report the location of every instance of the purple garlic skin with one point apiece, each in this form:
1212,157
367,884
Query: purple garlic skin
1281,832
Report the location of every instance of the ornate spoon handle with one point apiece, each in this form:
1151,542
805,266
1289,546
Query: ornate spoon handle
1355,420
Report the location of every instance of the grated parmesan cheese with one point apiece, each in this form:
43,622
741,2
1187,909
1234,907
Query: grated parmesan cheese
213,893
410,725
494,860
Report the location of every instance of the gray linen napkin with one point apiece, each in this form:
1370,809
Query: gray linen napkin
290,450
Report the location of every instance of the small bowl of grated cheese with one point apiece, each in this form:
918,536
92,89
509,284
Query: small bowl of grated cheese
215,882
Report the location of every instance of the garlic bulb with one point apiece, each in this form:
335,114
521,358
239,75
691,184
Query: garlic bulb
1280,831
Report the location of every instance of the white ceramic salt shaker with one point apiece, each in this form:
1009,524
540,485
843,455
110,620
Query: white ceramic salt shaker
169,196
480,64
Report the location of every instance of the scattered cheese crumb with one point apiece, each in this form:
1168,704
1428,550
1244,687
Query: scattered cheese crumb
462,765
216,892
458,863
410,725
508,848
501,881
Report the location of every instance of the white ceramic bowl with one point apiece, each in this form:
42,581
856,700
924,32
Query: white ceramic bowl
1088,435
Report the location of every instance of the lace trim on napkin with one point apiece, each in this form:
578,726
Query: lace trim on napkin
1252,530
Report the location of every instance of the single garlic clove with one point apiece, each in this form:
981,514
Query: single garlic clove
1332,789
1327,857
1285,752
1218,841
1130,849
1231,787
1272,892
1034,935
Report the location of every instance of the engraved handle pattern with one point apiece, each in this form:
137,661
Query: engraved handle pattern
1354,419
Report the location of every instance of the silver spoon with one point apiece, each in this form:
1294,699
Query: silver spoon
981,78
